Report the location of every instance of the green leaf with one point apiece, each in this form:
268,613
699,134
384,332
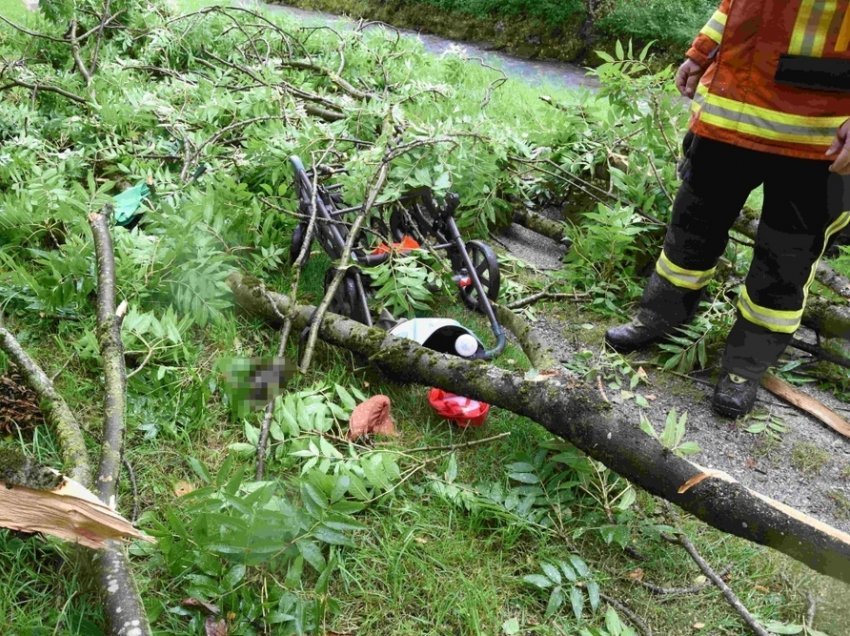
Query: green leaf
646,427
510,627
577,602
332,537
552,572
612,621
579,565
593,594
775,627
568,571
556,600
537,580
525,478
312,554
451,470
234,576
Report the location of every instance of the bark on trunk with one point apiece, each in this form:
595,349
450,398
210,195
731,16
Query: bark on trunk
574,411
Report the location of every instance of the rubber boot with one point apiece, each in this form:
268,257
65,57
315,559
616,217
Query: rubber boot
750,351
664,307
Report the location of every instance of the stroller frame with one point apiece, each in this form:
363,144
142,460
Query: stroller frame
416,214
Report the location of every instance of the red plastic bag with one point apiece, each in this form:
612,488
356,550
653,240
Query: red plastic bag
463,411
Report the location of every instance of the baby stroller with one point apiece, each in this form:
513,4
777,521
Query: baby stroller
413,221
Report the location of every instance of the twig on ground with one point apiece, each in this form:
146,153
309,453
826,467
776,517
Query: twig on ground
44,87
297,266
730,596
811,608
75,53
602,389
821,353
679,591
628,613
447,447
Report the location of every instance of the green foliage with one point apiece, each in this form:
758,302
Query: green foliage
217,544
690,349
675,21
556,490
553,11
567,580
764,423
672,438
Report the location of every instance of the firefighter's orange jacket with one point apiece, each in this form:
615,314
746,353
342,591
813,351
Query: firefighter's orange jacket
778,75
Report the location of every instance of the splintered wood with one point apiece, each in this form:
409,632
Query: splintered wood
70,512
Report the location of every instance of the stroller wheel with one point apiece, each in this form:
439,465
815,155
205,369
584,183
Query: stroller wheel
297,242
486,269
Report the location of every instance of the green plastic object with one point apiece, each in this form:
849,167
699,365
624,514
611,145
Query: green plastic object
127,204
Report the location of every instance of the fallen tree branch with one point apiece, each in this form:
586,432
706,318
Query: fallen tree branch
537,352
807,404
124,608
820,352
46,88
730,596
56,411
829,320
571,409
540,224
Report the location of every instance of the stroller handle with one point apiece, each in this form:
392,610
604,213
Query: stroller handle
296,162
500,343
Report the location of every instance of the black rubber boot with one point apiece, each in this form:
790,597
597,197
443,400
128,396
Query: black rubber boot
734,395
750,351
662,308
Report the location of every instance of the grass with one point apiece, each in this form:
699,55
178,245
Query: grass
14,10
809,458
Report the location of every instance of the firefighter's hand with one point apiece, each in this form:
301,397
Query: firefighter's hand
688,76
841,147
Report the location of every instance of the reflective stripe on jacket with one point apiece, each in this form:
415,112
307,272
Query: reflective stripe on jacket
778,75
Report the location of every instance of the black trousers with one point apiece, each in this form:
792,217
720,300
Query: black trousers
805,207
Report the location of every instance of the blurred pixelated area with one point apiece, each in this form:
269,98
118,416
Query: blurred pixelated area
251,383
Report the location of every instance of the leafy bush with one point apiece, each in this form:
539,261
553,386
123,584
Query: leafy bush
676,21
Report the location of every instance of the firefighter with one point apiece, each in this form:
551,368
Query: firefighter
770,87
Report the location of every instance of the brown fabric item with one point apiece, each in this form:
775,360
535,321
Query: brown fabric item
371,416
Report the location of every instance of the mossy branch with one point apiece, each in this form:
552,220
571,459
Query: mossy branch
72,446
124,608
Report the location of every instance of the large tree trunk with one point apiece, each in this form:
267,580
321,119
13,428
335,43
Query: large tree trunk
574,411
